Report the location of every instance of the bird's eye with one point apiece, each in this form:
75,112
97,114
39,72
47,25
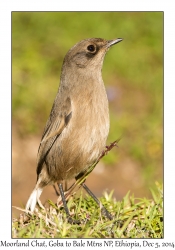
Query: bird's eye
91,48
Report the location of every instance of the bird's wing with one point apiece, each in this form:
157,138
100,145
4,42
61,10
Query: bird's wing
53,129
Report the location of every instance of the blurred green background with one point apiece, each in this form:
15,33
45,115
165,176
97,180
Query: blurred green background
132,73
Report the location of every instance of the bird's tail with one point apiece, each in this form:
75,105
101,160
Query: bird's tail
33,199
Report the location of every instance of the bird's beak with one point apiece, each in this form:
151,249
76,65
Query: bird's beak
112,42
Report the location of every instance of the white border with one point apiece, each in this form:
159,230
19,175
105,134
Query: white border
5,93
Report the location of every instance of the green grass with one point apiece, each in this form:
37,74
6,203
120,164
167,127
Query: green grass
133,218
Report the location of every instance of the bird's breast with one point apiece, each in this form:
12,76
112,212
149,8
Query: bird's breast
84,138
89,127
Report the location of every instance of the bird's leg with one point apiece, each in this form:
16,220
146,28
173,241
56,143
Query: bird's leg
40,204
65,185
56,191
103,209
70,220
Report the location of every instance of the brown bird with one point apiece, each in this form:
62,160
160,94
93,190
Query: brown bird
76,131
